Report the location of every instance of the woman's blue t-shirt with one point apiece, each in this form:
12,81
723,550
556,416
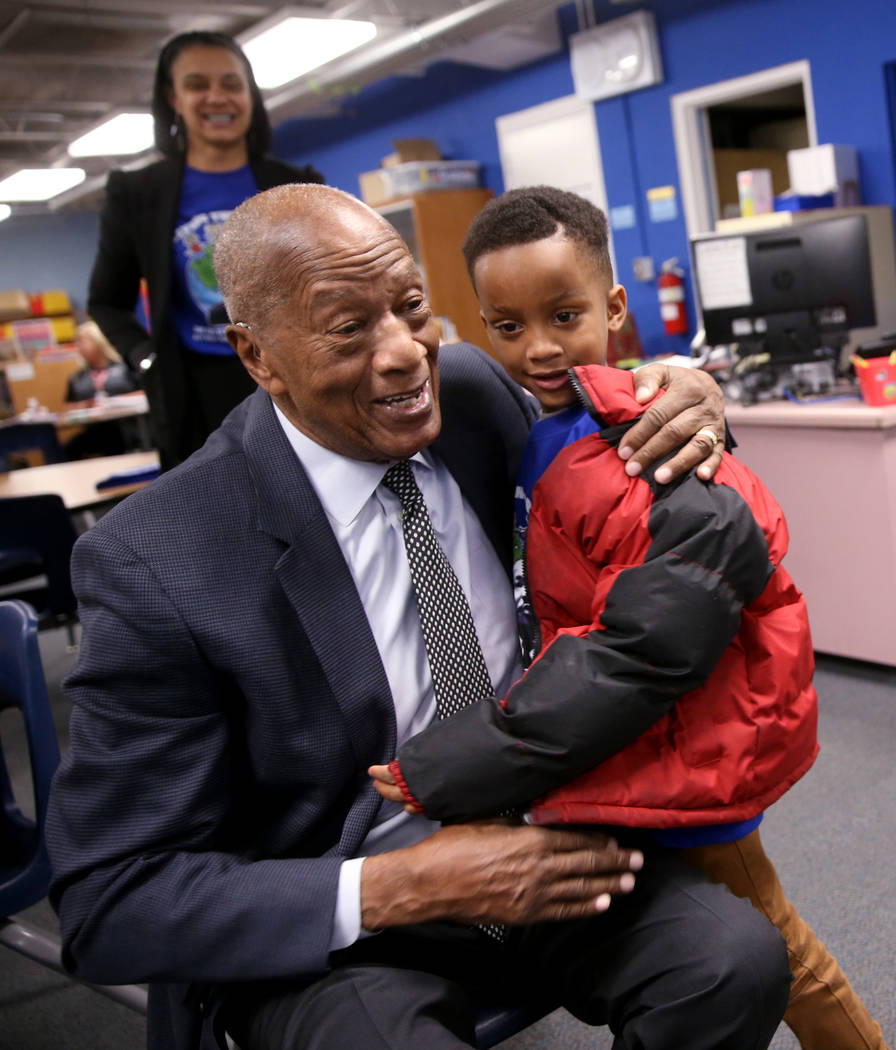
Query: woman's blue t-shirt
206,200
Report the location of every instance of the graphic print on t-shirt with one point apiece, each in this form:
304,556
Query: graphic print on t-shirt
206,200
194,242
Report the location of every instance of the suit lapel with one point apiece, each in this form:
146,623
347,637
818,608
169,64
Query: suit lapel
319,585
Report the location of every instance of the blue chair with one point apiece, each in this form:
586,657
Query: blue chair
497,1023
36,539
29,437
24,864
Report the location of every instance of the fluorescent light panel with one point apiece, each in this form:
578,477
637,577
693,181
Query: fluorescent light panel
39,184
125,133
296,45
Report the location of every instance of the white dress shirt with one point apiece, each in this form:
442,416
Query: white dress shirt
365,520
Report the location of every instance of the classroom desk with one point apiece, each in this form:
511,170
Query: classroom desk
121,406
104,410
832,467
76,482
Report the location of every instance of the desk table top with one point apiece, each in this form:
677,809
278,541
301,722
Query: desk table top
848,413
76,482
121,406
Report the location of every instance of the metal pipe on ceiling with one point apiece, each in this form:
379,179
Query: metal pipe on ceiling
387,56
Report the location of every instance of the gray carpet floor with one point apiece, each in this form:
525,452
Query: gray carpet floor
831,838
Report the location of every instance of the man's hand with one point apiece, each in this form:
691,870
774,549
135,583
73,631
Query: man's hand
693,407
494,872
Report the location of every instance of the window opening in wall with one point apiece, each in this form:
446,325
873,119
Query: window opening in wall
754,131
770,112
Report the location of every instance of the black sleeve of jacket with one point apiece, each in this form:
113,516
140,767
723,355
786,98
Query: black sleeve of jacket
115,278
665,625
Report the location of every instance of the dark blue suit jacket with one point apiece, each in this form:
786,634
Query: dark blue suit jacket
228,699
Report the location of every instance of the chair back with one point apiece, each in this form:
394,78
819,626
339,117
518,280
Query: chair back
29,437
42,526
24,865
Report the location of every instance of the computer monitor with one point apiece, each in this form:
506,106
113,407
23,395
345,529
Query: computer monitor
790,291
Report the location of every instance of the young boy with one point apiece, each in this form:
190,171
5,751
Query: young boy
673,677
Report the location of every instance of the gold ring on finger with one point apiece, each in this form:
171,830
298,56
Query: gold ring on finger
711,434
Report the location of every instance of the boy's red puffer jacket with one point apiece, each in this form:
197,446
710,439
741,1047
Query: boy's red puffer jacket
674,684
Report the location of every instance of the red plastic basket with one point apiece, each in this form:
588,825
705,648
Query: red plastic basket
877,379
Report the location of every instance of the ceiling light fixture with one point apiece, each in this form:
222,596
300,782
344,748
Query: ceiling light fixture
294,46
39,184
124,133
5,212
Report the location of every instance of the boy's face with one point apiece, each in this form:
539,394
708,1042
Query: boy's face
546,308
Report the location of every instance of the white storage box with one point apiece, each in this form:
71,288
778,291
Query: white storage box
817,170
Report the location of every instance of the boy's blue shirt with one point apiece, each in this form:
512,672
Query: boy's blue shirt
547,438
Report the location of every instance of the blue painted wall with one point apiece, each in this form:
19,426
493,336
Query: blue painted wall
848,46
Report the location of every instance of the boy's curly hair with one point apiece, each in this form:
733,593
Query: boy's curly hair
533,213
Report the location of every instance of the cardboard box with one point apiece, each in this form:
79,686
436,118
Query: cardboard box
14,304
375,187
826,169
407,150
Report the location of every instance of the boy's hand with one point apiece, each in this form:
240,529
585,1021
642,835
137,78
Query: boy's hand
387,786
693,407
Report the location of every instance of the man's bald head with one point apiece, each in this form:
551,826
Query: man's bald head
267,244
331,319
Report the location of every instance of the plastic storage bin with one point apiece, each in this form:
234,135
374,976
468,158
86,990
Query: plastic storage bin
877,379
417,176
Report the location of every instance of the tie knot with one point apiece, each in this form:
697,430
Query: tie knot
399,478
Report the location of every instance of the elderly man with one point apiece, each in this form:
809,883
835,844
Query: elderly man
252,644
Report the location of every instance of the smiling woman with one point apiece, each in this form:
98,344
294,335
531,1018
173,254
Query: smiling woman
159,224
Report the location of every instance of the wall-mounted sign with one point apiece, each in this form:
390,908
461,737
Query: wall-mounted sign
622,217
662,203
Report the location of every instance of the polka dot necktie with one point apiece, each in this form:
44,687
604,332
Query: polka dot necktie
456,664
459,674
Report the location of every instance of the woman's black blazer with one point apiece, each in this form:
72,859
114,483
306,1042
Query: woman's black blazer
136,229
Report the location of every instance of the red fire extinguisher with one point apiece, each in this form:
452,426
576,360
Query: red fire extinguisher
671,294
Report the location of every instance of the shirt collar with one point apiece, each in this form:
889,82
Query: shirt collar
343,485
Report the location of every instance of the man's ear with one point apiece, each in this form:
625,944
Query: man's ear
617,307
254,360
